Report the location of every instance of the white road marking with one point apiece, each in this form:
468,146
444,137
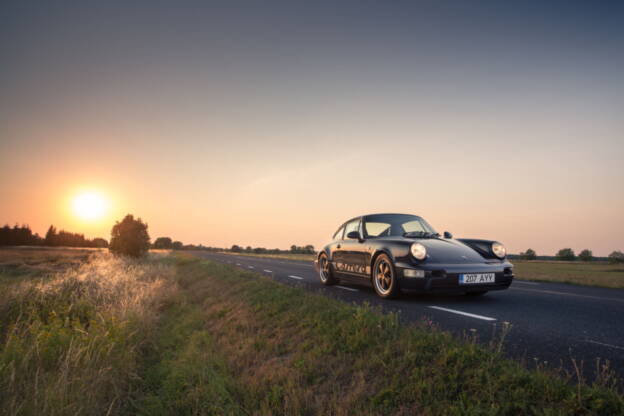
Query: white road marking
238,264
471,315
604,345
295,277
268,271
347,288
250,267
526,283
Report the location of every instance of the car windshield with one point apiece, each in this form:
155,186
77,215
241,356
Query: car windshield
385,225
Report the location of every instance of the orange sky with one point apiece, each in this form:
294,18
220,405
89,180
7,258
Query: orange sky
273,134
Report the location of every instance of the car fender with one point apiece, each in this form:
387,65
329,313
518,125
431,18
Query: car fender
483,247
379,250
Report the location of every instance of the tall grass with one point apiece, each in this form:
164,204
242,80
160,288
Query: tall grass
71,344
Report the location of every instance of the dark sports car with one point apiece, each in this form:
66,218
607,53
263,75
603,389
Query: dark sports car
401,251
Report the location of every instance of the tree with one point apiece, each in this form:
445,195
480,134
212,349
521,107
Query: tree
50,237
163,242
18,236
177,245
129,237
566,254
235,248
586,255
616,257
529,254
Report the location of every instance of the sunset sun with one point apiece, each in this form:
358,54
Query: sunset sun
89,206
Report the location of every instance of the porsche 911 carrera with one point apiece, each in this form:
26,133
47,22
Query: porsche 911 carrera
396,252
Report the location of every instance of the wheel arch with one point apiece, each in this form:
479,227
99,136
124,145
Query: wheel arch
377,253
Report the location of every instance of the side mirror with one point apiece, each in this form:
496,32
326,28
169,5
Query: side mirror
355,235
447,234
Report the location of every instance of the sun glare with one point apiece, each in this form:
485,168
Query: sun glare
89,206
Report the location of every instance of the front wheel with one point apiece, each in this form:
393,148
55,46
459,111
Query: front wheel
384,277
325,273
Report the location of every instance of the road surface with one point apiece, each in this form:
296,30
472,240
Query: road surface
551,323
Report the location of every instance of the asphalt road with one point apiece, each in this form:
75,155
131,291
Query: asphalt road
551,323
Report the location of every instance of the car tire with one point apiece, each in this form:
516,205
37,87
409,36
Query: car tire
384,277
326,275
477,293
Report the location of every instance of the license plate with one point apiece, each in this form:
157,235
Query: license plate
476,278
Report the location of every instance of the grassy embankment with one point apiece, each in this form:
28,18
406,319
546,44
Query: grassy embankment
598,273
184,336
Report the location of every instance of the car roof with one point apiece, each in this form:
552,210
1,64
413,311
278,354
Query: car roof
379,213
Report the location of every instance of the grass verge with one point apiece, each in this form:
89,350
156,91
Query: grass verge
285,351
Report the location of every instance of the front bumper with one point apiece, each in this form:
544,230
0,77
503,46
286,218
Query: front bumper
445,278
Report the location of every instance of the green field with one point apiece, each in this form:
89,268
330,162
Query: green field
577,272
176,335
598,273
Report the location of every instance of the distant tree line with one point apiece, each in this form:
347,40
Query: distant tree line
23,236
309,249
567,254
167,243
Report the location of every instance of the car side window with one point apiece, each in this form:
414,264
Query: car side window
376,229
352,226
338,234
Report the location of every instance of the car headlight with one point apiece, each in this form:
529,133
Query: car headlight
418,251
499,250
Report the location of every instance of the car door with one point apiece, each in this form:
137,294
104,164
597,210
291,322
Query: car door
335,249
353,250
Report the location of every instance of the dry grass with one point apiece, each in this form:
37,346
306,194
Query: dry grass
26,262
70,344
577,272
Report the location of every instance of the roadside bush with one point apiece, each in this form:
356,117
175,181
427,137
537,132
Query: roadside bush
616,257
566,254
586,255
129,237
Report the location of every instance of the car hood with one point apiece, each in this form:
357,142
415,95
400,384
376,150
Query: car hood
441,250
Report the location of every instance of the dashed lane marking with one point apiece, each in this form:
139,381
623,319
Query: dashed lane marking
470,315
347,288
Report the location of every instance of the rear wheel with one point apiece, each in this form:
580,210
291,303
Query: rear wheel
384,277
478,293
325,273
